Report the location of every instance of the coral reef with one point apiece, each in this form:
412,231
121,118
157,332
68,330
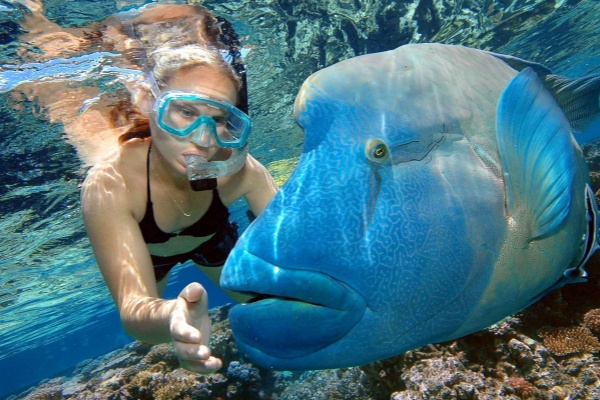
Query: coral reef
591,320
567,340
510,360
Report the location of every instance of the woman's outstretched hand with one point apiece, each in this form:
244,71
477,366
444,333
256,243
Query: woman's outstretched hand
189,325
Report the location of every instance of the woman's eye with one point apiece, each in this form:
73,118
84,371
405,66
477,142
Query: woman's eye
187,113
220,120
183,110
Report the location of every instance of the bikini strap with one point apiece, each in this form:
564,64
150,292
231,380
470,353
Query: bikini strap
148,198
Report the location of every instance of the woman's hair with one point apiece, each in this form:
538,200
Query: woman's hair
168,38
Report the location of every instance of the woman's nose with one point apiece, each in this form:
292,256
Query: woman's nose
203,136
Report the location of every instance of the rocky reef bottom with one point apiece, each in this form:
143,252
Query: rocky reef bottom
545,352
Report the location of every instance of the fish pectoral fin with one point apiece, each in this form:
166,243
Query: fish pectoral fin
538,153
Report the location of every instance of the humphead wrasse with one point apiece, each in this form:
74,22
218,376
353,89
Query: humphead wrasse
440,190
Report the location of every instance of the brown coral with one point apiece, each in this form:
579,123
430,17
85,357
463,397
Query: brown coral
174,389
522,386
591,320
563,341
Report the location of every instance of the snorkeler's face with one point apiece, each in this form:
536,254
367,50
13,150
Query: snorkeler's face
194,80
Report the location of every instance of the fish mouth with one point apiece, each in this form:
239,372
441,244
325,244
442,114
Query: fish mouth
294,312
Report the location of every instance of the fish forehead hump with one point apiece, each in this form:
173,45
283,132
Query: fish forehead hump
424,84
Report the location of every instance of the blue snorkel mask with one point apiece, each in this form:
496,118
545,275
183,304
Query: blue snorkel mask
183,113
207,122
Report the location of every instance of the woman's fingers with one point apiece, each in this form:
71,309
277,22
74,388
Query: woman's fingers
180,327
194,292
191,351
190,330
193,355
209,366
189,315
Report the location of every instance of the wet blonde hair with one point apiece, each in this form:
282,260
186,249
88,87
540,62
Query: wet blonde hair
179,37
167,60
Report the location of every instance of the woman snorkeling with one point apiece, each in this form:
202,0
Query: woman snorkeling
163,198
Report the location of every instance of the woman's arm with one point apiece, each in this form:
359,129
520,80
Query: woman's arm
258,185
122,255
126,266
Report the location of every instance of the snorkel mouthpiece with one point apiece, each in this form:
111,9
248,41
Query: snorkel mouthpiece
200,185
198,174
203,174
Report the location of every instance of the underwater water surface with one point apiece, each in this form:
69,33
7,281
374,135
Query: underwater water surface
55,310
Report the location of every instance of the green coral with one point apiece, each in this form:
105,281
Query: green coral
282,169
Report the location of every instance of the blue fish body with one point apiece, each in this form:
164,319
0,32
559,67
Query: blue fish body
439,191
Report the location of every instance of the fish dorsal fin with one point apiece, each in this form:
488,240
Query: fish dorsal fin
537,152
578,98
519,64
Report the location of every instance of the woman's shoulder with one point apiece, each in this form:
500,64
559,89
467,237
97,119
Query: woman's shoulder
132,157
126,163
251,170
119,179
253,177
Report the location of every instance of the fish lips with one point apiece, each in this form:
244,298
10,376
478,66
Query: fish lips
298,311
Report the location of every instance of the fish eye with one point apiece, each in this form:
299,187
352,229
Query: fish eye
377,151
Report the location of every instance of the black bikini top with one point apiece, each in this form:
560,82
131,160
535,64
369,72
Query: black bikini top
213,221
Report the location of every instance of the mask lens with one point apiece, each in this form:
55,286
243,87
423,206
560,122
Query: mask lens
182,113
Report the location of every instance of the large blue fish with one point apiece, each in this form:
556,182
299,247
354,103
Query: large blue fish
440,189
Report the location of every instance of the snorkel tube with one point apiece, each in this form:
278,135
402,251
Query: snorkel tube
203,174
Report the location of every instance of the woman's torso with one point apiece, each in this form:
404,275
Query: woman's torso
176,223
